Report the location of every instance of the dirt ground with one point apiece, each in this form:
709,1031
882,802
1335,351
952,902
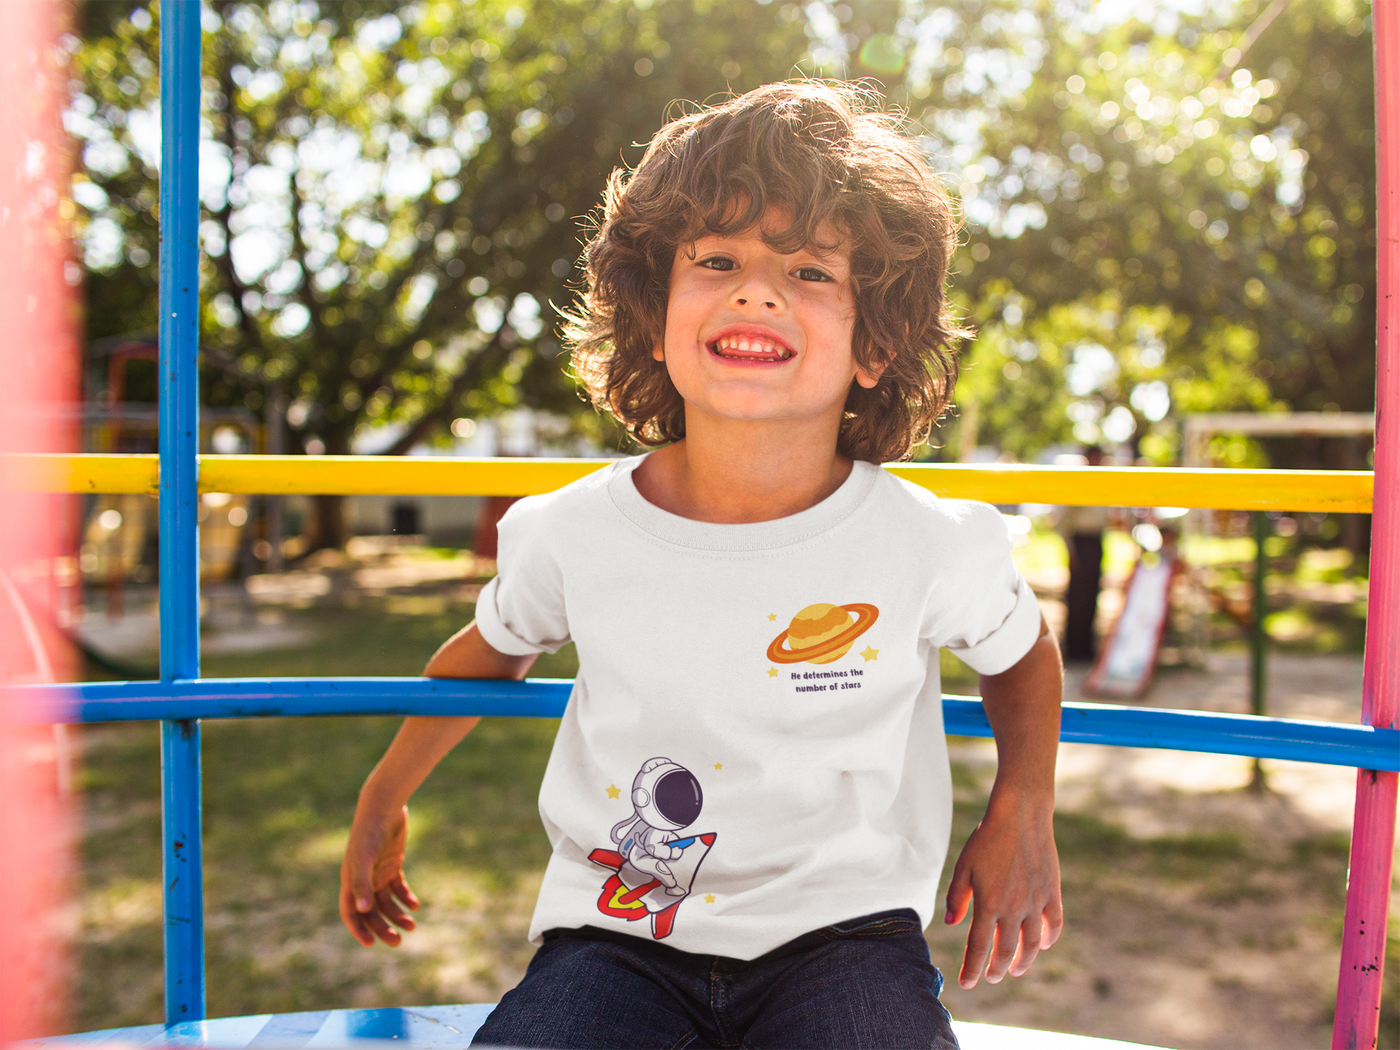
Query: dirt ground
1213,919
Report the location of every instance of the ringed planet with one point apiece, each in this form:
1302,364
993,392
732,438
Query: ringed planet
822,633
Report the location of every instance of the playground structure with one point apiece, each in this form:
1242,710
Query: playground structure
117,543
1197,432
181,698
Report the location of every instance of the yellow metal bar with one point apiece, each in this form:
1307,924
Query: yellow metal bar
1334,491
79,472
1328,491
390,475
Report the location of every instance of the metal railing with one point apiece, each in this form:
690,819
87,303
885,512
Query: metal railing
1321,491
181,698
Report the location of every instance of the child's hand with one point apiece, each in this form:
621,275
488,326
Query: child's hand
371,877
1010,870
372,885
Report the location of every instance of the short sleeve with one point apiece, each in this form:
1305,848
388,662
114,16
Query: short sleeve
998,616
521,611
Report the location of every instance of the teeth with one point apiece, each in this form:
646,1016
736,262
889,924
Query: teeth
752,346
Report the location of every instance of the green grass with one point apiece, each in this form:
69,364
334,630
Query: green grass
279,795
372,636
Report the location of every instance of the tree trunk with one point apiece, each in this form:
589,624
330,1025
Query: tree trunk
327,523
328,527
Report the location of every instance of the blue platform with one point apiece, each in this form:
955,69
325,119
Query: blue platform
449,1026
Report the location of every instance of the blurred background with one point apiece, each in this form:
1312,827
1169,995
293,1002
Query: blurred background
1169,233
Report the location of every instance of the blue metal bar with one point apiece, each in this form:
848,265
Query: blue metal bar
179,342
297,697
182,869
1325,743
1328,743
181,809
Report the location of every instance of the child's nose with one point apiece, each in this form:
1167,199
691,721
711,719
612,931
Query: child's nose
760,291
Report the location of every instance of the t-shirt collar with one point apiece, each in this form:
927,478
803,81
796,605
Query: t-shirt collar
751,536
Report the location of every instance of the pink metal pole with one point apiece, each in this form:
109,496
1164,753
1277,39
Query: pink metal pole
1373,826
40,361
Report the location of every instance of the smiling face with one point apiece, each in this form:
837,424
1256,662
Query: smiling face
755,334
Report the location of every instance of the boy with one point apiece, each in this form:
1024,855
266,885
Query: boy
749,798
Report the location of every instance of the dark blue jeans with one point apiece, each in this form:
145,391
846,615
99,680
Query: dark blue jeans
866,982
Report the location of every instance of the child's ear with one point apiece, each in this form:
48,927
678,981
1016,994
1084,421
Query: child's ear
658,353
870,377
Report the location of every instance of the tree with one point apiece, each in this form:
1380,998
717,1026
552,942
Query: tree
1220,171
1161,218
393,193
1215,167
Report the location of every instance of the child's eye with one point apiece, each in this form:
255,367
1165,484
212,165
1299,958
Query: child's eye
811,273
717,262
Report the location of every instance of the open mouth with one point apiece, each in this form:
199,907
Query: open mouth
749,348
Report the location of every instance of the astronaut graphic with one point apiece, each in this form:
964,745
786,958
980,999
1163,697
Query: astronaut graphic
653,867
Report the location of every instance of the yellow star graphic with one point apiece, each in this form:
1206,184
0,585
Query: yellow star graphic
719,765
772,672
772,616
870,654
614,791
709,898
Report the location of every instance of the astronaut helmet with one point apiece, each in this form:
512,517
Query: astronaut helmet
666,795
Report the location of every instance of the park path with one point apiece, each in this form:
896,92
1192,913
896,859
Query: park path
1313,687
1221,926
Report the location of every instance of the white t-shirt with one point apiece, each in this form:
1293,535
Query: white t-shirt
754,744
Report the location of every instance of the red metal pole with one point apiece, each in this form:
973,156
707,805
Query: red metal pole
1373,826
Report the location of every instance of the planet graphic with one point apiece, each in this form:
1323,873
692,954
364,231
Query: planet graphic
822,633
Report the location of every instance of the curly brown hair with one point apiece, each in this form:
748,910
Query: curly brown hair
829,157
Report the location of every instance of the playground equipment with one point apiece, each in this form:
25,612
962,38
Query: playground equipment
181,698
1199,430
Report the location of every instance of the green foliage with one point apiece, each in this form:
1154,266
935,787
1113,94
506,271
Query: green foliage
393,193
1074,371
1219,171
1162,218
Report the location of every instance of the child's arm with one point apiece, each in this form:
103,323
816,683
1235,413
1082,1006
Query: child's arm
1009,866
371,876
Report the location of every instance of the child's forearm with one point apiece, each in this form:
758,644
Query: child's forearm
418,747
1023,707
422,742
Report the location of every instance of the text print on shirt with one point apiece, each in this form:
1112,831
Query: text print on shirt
822,634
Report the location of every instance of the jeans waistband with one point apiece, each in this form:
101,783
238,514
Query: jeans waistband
877,924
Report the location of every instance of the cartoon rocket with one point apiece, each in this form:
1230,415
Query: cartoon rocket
654,869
